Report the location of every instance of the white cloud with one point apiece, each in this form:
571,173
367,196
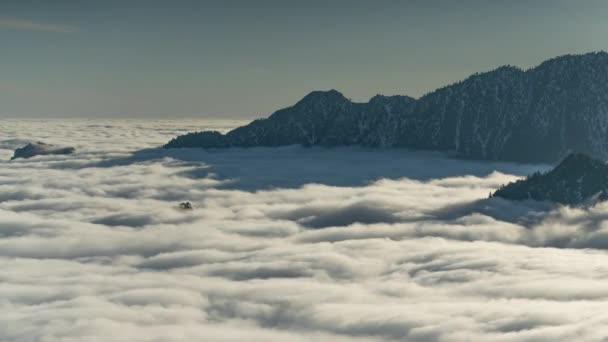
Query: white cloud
286,244
27,25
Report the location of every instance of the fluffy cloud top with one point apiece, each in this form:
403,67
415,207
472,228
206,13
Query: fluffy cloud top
287,244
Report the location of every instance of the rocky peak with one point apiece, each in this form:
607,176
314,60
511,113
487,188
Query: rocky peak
323,96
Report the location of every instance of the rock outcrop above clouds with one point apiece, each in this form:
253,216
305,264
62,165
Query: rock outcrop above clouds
578,179
40,148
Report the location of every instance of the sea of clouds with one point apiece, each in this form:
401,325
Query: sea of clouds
284,244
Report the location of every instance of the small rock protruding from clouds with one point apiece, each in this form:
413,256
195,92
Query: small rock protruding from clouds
185,206
40,148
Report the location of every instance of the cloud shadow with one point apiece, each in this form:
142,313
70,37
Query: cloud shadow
293,166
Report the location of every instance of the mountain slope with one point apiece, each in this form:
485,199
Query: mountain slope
538,115
577,179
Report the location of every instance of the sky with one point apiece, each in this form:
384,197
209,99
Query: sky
245,59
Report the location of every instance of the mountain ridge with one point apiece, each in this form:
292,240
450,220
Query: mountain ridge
536,115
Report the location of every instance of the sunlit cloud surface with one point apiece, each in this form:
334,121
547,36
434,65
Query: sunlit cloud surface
289,244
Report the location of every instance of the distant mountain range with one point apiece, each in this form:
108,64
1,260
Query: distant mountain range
537,115
578,179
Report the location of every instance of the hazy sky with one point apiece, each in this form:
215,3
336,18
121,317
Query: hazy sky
245,59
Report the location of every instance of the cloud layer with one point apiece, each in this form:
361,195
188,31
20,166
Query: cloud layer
285,244
28,25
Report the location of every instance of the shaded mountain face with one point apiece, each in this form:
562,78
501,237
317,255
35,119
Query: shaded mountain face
538,115
576,180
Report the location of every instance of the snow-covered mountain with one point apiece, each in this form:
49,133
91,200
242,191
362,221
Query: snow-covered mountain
538,115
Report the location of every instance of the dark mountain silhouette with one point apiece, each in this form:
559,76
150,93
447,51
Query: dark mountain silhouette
576,180
537,115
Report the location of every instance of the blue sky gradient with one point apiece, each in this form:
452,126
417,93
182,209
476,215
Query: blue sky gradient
245,59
